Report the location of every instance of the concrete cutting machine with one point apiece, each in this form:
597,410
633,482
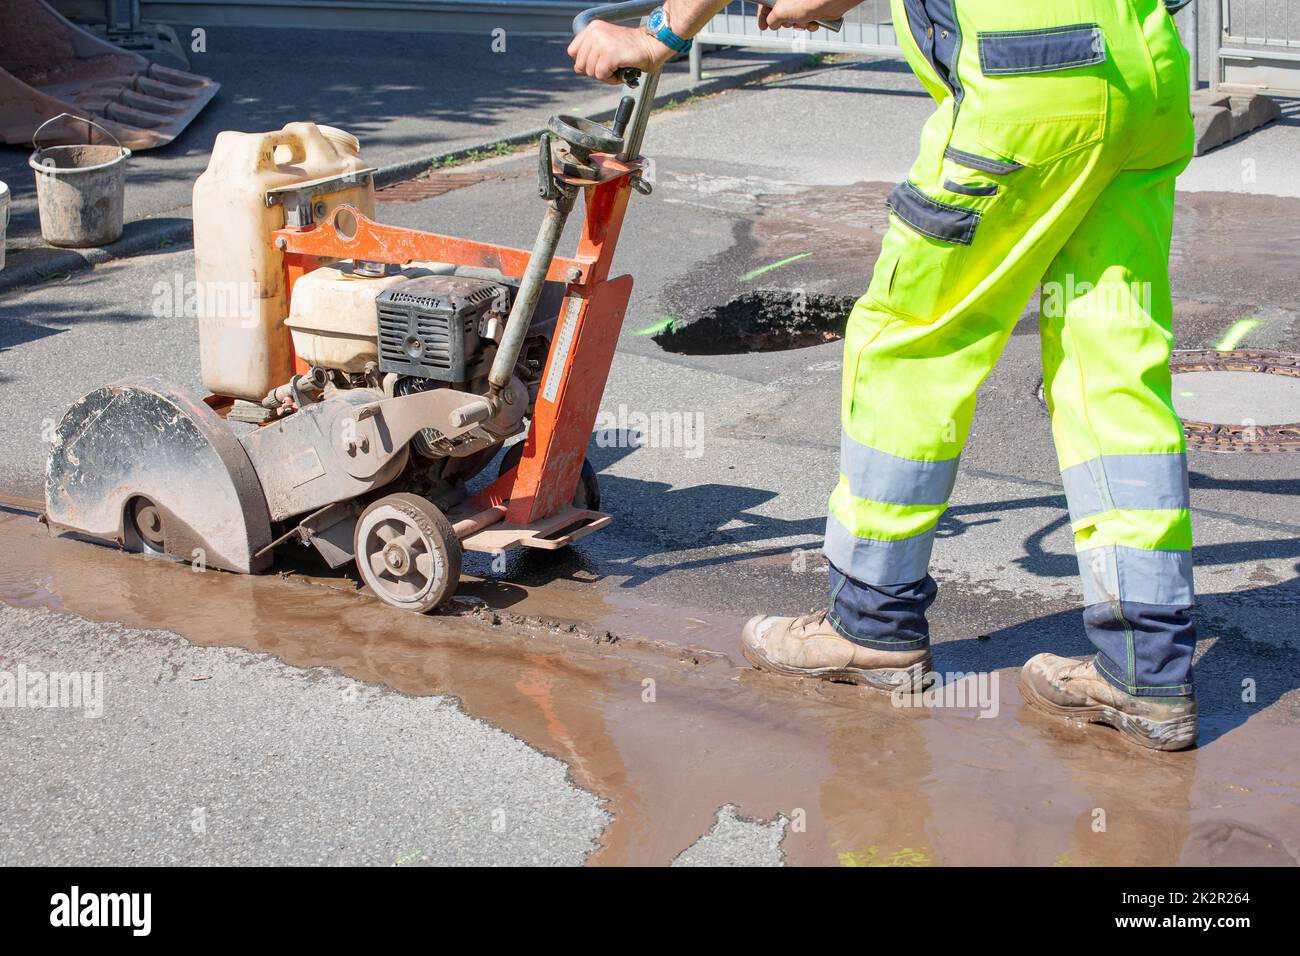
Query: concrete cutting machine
361,374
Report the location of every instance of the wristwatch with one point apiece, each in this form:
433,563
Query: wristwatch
657,27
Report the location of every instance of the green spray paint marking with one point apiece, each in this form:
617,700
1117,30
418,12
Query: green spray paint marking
1235,334
775,265
664,326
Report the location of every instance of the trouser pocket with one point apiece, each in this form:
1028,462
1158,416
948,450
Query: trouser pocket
931,217
1042,93
927,245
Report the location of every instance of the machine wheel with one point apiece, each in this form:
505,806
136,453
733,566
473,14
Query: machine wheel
586,496
407,552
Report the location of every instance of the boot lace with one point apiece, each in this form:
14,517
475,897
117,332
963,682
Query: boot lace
814,619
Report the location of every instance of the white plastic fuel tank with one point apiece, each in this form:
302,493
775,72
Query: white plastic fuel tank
244,346
332,317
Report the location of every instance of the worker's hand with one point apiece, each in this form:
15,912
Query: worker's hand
602,48
800,14
786,13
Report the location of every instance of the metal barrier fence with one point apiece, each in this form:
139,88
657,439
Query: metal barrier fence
1258,45
868,28
1254,44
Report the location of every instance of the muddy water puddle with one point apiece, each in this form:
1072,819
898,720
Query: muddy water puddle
653,709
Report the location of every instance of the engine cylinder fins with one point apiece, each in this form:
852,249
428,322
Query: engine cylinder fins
150,467
407,552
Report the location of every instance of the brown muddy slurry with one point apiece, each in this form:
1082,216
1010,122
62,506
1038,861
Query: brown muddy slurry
655,710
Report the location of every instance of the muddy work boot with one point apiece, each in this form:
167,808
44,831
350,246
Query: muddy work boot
809,647
1064,687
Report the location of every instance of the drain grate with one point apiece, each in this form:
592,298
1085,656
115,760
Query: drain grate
427,186
1246,436
761,321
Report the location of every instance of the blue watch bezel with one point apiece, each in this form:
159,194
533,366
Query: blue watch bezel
657,26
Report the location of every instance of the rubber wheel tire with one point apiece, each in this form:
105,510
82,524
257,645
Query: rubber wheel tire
435,536
586,497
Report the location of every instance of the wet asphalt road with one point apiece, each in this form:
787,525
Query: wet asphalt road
726,521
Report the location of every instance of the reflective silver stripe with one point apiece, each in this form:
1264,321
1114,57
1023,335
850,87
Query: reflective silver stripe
1116,573
880,476
873,561
1134,482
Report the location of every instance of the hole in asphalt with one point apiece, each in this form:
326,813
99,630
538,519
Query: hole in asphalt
761,321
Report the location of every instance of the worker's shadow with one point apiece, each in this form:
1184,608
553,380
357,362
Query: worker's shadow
1252,658
1249,658
1042,562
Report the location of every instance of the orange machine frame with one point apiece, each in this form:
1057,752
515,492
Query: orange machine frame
586,332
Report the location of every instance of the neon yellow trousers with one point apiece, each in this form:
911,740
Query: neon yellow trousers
1050,160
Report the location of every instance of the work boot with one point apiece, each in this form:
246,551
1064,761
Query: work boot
809,647
1064,687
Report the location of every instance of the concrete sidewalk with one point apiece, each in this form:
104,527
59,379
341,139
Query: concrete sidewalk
408,97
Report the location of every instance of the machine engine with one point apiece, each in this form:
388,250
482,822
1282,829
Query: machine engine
399,332
431,327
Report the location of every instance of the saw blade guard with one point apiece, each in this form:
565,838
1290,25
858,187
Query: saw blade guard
152,468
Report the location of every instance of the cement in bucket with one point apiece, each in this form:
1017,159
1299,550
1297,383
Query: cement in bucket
80,190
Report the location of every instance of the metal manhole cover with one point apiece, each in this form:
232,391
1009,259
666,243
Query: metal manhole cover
1228,405
1244,400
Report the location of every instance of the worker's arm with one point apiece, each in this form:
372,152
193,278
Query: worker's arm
602,47
800,14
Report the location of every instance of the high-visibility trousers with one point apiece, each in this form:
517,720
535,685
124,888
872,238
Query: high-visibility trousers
1050,160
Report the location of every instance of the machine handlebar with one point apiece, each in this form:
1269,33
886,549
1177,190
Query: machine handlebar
635,10
631,10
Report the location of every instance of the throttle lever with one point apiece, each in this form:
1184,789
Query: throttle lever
623,115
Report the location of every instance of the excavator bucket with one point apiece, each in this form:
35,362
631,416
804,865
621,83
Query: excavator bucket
152,468
49,65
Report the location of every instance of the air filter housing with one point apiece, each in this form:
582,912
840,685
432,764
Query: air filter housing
429,326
